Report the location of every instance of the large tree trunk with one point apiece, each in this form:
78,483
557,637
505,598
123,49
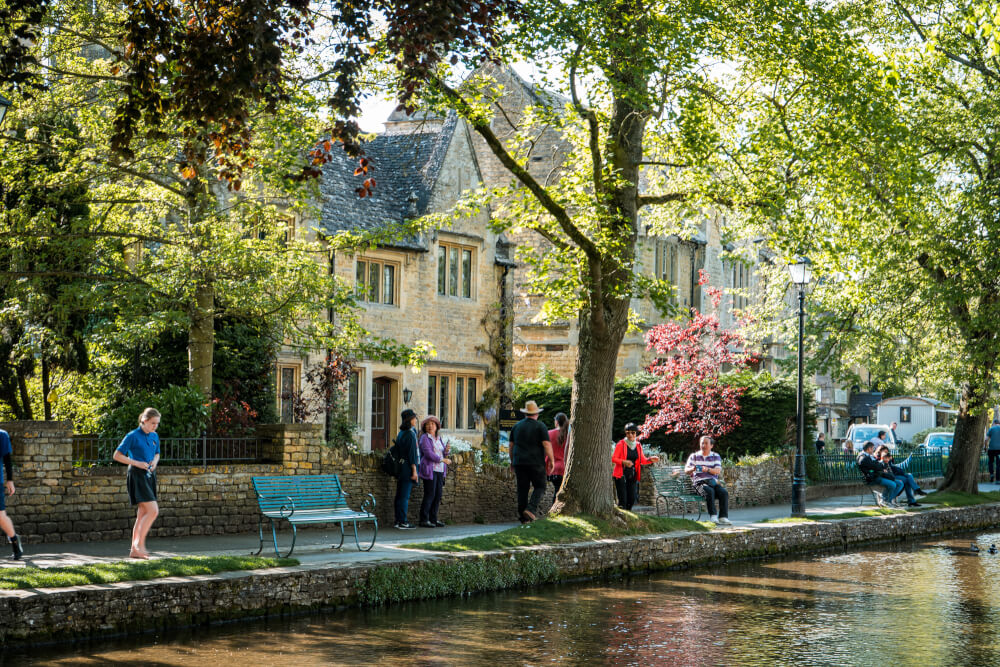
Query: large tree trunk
587,486
966,450
201,338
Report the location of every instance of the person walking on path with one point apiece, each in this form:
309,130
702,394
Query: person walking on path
532,459
7,482
992,444
559,436
407,454
629,459
140,451
432,470
705,466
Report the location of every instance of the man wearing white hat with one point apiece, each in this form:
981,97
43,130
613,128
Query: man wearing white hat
532,459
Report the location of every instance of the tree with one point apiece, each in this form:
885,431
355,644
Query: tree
633,126
885,152
689,392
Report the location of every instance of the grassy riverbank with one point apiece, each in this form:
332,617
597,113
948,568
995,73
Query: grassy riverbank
132,570
959,499
564,530
860,514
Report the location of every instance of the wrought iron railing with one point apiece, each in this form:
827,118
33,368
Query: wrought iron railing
94,451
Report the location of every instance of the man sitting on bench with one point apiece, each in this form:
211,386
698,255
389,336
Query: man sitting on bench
874,473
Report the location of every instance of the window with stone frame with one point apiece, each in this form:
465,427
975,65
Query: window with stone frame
452,398
288,390
377,281
456,270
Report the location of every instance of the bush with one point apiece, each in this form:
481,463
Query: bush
767,412
185,413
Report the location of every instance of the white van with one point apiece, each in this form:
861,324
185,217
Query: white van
859,434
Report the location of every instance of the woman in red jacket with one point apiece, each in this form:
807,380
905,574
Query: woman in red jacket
559,436
629,459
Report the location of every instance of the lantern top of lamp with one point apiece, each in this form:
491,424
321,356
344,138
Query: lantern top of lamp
800,269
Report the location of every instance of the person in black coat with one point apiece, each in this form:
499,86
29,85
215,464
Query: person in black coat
405,451
875,472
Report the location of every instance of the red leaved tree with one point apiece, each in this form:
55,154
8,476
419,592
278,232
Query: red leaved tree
689,393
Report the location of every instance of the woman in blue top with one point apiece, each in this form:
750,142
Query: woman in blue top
140,451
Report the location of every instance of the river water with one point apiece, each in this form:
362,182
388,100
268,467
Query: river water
930,603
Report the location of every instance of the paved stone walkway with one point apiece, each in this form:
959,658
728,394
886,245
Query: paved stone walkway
313,547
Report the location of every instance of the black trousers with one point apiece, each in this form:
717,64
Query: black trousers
627,491
433,490
533,477
557,483
714,492
993,455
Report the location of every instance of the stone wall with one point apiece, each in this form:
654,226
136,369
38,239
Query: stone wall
82,612
57,502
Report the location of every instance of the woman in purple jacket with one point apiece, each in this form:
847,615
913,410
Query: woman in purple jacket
433,468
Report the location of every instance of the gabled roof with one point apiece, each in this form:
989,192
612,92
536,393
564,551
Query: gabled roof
941,405
405,167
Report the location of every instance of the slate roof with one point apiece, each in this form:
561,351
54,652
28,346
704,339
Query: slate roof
405,168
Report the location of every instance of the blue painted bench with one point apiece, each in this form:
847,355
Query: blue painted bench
309,499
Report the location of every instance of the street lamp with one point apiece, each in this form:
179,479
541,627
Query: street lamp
4,105
800,270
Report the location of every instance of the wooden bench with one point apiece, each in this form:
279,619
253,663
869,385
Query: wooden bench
673,482
309,499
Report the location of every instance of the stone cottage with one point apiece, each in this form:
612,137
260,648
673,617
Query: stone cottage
441,287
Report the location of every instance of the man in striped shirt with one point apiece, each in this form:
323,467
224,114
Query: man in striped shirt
705,466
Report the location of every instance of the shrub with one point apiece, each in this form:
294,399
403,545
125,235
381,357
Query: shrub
185,413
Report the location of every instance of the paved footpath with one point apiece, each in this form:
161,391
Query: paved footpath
312,547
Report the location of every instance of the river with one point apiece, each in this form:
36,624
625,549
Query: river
934,602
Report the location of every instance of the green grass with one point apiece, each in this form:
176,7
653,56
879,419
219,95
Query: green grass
563,530
132,570
877,511
959,499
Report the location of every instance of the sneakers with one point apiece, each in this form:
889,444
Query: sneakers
440,524
913,504
920,492
714,518
427,524
15,545
527,517
405,526
724,520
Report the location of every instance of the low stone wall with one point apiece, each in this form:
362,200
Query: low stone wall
91,611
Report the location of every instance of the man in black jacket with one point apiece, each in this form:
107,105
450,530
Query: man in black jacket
405,451
875,473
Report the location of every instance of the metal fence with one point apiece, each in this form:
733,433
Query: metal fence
833,468
93,451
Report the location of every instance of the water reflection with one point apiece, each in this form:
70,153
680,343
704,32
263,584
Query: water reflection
930,604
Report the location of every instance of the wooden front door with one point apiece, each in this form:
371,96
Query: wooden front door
380,413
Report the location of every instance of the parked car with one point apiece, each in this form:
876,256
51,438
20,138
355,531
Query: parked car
936,443
858,434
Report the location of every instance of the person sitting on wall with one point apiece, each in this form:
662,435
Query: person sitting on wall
909,484
875,473
705,466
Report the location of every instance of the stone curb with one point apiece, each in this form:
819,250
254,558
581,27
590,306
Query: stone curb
82,612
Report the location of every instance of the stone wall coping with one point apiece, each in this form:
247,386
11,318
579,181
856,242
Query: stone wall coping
118,470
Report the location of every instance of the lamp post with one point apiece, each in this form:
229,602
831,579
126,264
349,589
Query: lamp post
4,105
800,271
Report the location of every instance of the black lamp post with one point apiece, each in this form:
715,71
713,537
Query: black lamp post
800,272
4,105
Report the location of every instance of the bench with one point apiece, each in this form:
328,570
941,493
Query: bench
673,482
309,499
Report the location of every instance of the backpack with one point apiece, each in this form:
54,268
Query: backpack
392,464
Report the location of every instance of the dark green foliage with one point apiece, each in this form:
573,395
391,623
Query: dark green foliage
433,579
767,411
185,412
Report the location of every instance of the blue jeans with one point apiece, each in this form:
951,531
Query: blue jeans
909,485
892,488
402,501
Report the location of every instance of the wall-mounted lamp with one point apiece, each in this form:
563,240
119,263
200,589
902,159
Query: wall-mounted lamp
407,395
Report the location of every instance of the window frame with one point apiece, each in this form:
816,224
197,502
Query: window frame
453,269
450,381
363,290
296,369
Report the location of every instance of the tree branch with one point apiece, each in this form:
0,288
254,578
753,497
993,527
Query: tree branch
592,125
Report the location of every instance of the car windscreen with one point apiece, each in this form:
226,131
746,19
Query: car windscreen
940,440
862,434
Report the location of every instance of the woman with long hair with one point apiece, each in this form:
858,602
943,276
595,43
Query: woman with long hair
559,436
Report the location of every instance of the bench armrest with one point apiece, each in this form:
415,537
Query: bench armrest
369,504
289,506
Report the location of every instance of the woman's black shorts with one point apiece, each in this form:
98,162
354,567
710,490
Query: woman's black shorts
141,486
